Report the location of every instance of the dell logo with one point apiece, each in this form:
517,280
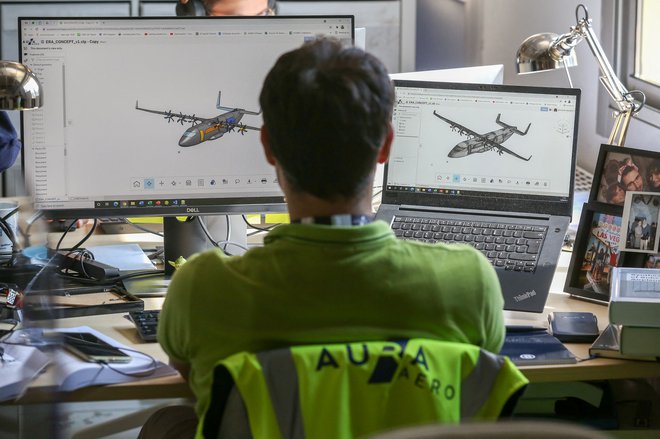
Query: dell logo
192,210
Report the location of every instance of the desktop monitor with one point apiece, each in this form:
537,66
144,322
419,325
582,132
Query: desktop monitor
490,74
155,116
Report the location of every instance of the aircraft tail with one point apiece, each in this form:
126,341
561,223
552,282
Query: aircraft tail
515,129
220,107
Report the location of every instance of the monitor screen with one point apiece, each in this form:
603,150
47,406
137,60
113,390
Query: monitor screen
155,116
483,146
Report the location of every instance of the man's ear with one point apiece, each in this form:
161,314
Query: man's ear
265,142
384,151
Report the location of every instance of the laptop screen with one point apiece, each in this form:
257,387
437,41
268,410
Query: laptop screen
489,147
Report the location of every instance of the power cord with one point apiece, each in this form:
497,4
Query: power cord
9,233
73,223
114,280
222,245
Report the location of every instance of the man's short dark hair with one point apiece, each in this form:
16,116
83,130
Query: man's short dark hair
327,110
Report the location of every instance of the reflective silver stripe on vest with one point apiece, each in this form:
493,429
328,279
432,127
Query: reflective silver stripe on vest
476,387
281,377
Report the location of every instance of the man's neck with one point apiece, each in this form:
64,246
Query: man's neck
308,206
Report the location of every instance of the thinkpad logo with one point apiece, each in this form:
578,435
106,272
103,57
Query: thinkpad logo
524,296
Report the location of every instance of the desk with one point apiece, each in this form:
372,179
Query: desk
122,330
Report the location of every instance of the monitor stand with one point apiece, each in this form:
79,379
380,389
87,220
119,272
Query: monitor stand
185,238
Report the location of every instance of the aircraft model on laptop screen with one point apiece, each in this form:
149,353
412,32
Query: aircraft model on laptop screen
487,165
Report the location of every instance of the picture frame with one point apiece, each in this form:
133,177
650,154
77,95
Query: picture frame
595,252
619,170
641,214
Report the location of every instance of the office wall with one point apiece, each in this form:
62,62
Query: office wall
451,33
441,35
506,23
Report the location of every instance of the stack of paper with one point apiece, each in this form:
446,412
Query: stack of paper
19,365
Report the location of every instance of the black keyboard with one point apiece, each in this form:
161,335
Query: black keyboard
507,246
146,323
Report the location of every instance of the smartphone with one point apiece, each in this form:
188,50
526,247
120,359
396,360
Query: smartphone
91,348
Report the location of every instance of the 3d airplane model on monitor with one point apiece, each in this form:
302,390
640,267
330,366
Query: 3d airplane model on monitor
204,129
483,142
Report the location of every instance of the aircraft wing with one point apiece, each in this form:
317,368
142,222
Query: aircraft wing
180,117
240,126
501,148
250,128
465,130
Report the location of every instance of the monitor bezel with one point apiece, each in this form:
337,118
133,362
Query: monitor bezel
227,205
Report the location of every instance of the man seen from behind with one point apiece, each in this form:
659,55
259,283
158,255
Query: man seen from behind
333,274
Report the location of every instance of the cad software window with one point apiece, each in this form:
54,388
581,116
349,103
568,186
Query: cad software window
89,142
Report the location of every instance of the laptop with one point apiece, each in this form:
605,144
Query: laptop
490,166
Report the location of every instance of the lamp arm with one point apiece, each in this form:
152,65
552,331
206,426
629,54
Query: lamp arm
609,79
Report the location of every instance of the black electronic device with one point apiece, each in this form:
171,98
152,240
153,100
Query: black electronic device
574,327
535,347
91,348
146,323
89,267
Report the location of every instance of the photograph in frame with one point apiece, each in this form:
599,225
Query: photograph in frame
639,226
621,170
595,253
648,261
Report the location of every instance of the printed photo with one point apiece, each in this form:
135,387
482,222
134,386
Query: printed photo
651,261
641,211
595,255
621,170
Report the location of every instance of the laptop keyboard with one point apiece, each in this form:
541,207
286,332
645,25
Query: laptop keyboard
507,246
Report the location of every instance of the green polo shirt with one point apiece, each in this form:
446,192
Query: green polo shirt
322,284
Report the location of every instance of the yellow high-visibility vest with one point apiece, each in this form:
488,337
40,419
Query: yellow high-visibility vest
349,390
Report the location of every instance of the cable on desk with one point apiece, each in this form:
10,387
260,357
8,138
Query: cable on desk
222,245
82,255
145,373
235,244
112,280
8,332
11,212
73,223
90,233
6,229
